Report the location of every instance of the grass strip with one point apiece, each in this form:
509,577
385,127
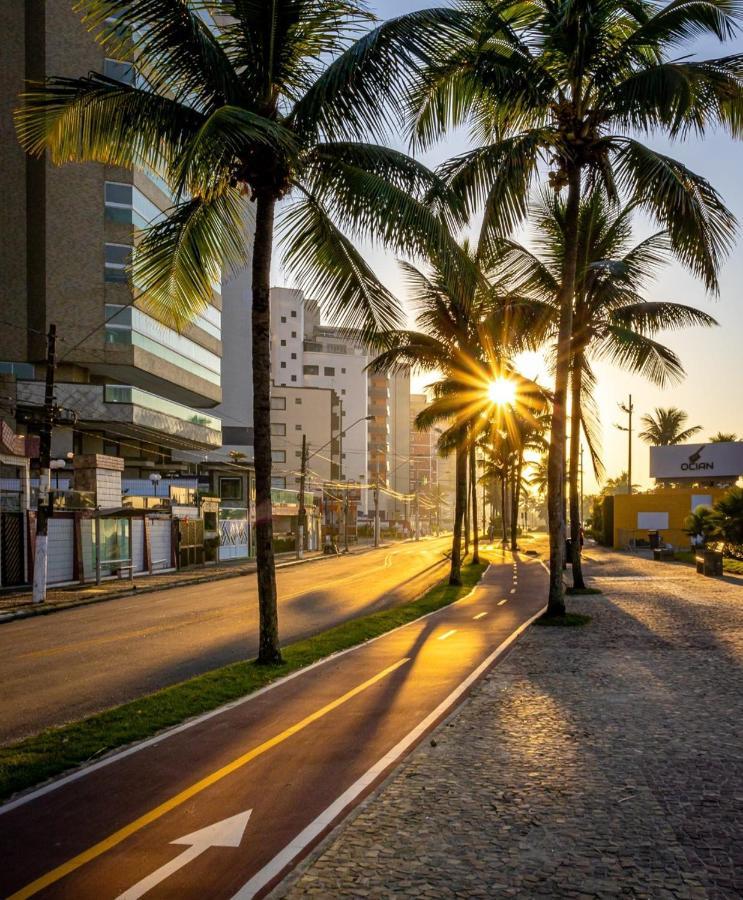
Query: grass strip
56,750
732,566
582,592
569,620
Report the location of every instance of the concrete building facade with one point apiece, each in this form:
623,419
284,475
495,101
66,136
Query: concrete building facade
139,390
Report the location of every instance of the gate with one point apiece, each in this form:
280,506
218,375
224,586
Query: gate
11,549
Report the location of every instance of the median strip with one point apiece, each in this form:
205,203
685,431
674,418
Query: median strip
57,750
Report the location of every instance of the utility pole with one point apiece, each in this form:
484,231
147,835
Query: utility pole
345,521
376,507
44,508
302,512
417,517
629,409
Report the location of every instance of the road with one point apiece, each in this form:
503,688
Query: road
59,668
225,806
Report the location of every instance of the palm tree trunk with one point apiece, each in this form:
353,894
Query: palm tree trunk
575,510
460,502
515,501
556,459
473,489
269,650
503,493
466,505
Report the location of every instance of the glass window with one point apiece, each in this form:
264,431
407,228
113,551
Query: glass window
110,448
297,427
283,343
278,429
294,377
298,453
298,400
294,334
278,456
294,355
117,259
231,488
329,370
126,203
312,370
343,371
278,402
119,70
278,481
283,364
283,320
294,314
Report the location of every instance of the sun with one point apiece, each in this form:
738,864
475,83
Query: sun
502,392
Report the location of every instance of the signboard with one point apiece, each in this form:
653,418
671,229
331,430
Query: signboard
697,461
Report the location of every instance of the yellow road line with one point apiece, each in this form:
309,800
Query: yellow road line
123,833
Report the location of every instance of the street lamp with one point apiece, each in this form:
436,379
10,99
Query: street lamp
155,478
56,465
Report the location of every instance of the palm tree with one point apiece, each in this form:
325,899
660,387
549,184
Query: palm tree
529,436
617,485
238,112
465,325
723,437
573,85
611,318
667,427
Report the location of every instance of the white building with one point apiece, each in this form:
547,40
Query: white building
308,354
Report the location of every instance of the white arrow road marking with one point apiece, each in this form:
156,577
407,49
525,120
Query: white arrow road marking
479,615
227,833
443,637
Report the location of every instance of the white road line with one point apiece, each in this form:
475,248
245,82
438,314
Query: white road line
513,590
479,615
336,809
501,602
184,726
447,634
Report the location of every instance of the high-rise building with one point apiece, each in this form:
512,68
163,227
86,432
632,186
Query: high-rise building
138,389
308,354
423,457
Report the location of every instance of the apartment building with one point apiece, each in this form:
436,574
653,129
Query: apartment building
314,413
138,389
308,354
423,455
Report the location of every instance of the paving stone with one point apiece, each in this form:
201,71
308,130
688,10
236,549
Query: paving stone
597,762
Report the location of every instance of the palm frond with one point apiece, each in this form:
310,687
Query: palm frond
649,317
700,227
639,353
179,259
328,266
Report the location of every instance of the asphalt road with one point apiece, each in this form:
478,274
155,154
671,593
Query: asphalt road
226,805
59,668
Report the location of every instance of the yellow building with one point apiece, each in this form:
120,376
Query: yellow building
663,510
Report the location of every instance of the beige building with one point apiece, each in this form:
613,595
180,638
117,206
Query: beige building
138,389
314,412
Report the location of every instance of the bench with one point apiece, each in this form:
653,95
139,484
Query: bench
662,553
159,564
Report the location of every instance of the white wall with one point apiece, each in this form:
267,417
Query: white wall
287,335
61,544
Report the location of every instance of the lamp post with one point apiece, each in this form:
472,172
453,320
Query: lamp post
629,409
155,478
55,465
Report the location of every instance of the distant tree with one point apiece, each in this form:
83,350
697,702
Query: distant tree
723,437
617,485
667,427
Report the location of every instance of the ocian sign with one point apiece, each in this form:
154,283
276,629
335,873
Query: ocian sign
723,460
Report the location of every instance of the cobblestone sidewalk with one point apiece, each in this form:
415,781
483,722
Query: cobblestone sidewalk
597,762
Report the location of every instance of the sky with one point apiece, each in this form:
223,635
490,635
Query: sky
712,392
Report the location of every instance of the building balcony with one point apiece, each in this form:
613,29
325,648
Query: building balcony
130,412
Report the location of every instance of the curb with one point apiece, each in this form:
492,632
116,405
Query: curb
47,610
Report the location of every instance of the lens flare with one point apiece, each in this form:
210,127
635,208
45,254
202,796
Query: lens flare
502,392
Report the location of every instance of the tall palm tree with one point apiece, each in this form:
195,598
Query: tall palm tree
666,427
465,327
529,435
611,318
573,85
240,105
